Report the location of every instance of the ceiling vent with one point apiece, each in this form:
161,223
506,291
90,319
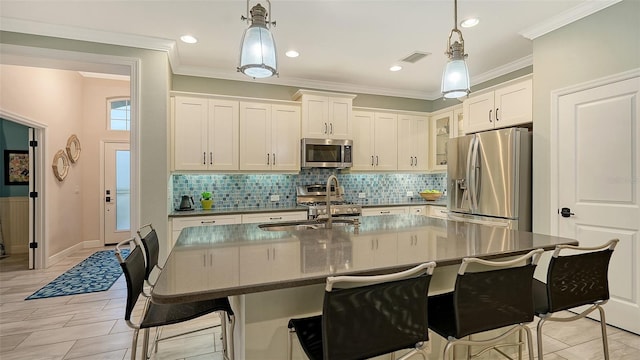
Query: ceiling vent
415,57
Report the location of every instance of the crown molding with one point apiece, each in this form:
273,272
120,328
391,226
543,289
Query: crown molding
75,33
502,70
567,17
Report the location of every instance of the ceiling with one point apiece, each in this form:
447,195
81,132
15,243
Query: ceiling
346,45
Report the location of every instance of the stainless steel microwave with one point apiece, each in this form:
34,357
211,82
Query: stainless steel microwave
325,153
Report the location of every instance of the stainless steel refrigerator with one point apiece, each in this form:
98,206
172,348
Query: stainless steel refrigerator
489,178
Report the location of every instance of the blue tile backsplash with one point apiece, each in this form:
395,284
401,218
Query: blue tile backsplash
254,190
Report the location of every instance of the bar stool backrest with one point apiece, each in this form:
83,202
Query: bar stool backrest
492,299
375,319
133,268
151,248
579,279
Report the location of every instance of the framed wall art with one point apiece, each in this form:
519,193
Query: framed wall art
16,167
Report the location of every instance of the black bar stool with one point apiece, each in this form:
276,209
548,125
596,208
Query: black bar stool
486,300
367,316
579,278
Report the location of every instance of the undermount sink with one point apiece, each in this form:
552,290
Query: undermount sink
307,224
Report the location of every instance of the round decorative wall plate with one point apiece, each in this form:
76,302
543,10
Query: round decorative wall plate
60,165
73,148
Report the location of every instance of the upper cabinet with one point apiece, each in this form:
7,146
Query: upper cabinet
505,106
413,142
325,115
442,128
269,137
375,145
205,134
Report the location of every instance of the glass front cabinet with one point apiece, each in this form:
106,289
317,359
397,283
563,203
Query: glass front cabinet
444,125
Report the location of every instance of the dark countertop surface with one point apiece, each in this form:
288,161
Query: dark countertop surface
293,207
214,261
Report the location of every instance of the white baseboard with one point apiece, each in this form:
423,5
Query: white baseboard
54,259
92,244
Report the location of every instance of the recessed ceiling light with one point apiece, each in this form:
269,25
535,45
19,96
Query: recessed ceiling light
471,22
292,54
188,39
395,68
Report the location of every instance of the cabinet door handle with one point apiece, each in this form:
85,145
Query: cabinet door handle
204,158
376,160
208,222
204,260
274,159
211,158
490,115
325,128
497,114
372,247
268,254
274,253
331,128
416,161
210,259
268,157
411,163
371,160
377,244
385,212
276,218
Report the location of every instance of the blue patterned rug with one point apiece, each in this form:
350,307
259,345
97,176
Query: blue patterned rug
95,273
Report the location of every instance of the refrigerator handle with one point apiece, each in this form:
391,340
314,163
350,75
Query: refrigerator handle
473,180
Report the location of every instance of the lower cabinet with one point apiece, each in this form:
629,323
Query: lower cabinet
274,217
437,211
412,247
374,250
374,211
418,210
177,224
217,266
269,261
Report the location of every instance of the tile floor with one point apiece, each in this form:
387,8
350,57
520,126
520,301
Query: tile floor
91,326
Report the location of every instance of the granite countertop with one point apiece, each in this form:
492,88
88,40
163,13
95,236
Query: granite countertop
246,259
293,207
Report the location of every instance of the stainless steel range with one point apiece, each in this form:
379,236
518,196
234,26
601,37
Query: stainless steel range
314,197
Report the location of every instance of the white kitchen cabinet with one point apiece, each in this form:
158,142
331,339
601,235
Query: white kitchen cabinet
437,211
205,134
375,141
274,217
177,224
441,132
505,106
414,247
269,261
217,266
413,142
325,115
374,250
269,137
390,210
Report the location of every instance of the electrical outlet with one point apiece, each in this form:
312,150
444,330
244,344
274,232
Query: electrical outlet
275,198
409,193
362,195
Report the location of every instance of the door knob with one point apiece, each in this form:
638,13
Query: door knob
566,212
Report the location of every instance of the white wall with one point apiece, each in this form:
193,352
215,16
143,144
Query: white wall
605,43
53,98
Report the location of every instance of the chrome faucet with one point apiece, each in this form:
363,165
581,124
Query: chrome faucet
329,216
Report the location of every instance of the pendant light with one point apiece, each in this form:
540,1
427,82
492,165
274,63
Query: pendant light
455,78
258,50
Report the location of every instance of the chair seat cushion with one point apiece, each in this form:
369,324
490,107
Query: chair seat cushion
167,314
442,318
540,297
309,332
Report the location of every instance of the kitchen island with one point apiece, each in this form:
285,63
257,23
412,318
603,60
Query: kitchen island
272,276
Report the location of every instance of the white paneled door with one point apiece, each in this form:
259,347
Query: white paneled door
598,182
116,197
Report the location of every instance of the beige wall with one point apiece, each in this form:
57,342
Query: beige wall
52,98
152,141
605,43
94,124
